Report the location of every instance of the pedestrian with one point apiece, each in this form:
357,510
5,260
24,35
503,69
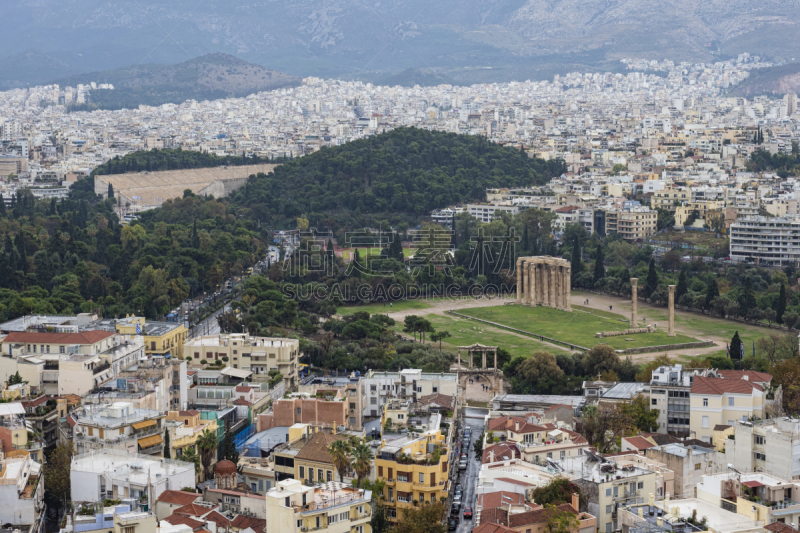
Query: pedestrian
610,308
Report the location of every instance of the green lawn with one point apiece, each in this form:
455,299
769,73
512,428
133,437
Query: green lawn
346,253
402,305
578,327
705,326
465,332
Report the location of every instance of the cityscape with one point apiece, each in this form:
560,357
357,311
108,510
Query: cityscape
564,304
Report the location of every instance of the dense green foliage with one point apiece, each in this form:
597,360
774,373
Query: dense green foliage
784,164
387,179
177,159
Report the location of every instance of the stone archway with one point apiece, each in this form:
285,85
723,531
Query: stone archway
473,379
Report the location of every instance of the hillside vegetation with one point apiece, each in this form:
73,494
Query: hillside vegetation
775,81
155,160
388,179
209,77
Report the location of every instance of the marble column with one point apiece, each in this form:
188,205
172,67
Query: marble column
634,300
526,285
519,281
532,277
459,359
552,292
567,291
671,330
483,357
495,359
536,272
470,359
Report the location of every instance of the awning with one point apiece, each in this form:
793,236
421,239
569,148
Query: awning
150,441
752,484
143,424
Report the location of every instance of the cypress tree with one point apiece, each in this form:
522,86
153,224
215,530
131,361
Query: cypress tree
110,192
682,287
712,291
747,300
167,454
577,264
736,347
780,309
652,279
599,269
331,256
2,207
22,260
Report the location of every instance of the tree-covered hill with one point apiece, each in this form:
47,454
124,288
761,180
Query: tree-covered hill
390,178
155,160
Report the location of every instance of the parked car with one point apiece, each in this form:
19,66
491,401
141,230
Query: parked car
452,524
462,465
459,487
468,513
455,509
457,499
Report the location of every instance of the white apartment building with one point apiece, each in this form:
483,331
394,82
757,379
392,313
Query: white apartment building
116,474
22,493
487,212
766,241
337,508
379,387
118,426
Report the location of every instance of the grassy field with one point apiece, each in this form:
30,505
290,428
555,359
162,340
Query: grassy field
347,252
403,305
578,327
465,332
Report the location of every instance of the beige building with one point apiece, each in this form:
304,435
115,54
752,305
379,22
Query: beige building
160,338
633,225
667,199
258,355
337,508
719,401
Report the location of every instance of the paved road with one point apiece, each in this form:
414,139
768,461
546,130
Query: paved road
209,326
469,478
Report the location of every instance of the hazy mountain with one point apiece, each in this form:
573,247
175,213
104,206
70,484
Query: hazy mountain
773,81
378,39
207,77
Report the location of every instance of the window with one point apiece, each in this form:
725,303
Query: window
759,439
563,455
608,492
298,410
380,471
705,402
328,475
391,494
616,491
730,401
128,529
299,523
654,401
435,390
760,456
697,466
321,475
302,471
422,477
608,527
608,509
705,422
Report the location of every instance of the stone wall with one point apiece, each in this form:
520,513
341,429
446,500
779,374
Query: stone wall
667,347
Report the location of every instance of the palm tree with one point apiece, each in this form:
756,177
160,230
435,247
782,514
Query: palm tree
190,456
340,452
361,457
207,443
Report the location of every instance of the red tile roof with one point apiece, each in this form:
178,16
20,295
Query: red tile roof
752,375
493,528
777,527
191,509
179,497
490,500
243,522
640,443
719,386
191,412
515,482
503,451
176,519
498,515
217,518
242,388
84,337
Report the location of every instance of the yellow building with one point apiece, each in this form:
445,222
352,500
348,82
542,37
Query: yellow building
715,402
414,467
185,427
668,198
335,507
721,434
160,338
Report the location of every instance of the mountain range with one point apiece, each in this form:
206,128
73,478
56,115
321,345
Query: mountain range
460,41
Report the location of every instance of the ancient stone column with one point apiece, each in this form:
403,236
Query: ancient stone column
495,359
671,330
470,359
634,300
459,357
483,357
519,281
536,272
526,286
567,289
532,277
552,292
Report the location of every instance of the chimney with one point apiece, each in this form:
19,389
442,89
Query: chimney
576,502
491,456
516,426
